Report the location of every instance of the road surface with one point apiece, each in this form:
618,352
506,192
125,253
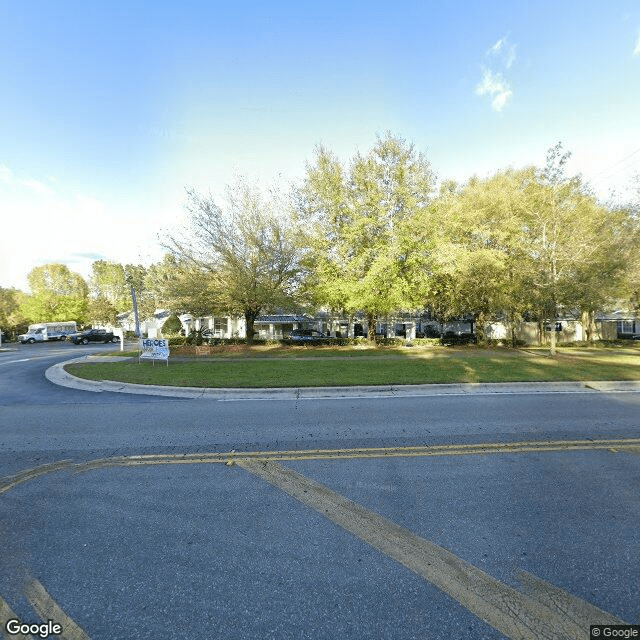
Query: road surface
461,516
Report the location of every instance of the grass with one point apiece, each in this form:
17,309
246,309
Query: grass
348,366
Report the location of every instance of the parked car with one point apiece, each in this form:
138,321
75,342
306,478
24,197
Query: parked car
305,335
93,335
458,337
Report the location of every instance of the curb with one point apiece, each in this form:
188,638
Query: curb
57,375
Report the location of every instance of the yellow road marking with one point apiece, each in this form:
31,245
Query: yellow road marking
36,472
530,446
6,614
545,613
49,609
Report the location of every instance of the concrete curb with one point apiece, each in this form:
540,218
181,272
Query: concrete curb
57,375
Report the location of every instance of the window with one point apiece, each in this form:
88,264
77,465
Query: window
220,325
625,326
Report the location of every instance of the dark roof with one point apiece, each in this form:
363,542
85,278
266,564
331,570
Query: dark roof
284,319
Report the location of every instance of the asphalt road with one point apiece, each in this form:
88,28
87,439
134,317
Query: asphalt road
418,517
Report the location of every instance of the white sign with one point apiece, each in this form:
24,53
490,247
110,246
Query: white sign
154,349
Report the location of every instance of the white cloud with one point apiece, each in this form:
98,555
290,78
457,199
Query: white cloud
6,175
636,51
35,185
501,55
496,87
497,46
504,52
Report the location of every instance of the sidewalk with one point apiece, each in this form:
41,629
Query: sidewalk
59,376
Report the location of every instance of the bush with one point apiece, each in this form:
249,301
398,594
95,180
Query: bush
195,337
426,342
172,325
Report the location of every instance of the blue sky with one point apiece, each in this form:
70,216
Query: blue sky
108,111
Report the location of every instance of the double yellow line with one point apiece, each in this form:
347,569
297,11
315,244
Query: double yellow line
230,457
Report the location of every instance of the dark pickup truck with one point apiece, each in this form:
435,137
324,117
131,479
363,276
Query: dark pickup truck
93,335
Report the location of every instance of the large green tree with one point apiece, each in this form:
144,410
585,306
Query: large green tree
357,218
524,243
11,318
239,258
108,281
576,247
57,294
475,261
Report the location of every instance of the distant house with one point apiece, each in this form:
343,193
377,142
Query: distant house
619,324
609,326
278,327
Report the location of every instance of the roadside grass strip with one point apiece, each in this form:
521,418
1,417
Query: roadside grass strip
385,368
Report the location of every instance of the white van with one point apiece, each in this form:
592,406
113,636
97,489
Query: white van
46,331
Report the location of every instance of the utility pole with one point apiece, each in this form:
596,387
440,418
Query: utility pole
135,312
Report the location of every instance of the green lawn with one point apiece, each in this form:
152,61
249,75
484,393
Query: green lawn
348,366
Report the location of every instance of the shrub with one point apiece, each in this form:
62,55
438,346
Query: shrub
195,337
426,342
172,325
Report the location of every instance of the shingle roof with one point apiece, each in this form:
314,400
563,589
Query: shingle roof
284,319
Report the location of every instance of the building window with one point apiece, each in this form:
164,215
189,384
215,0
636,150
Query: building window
220,325
625,326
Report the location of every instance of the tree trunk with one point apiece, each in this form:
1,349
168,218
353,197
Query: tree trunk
478,327
371,324
587,319
552,346
249,317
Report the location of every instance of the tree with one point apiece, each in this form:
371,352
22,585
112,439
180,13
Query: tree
572,243
527,242
358,232
11,318
108,281
174,284
57,294
57,279
172,325
240,259
474,265
102,311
